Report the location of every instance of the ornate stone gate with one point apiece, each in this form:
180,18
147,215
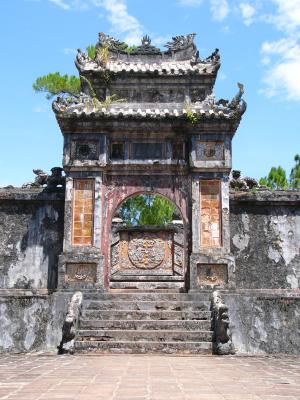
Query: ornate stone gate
147,121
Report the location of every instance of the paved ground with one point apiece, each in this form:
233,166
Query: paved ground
148,377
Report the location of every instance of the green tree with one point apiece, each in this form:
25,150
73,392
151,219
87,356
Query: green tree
91,51
56,84
151,210
276,179
295,173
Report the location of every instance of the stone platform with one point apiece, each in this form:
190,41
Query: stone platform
154,322
145,377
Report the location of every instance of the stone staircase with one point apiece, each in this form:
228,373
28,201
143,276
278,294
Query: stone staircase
145,323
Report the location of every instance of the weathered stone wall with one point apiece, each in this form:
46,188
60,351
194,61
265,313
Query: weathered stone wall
265,322
31,322
264,310
31,238
265,239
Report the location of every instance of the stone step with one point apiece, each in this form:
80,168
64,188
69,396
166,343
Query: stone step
140,285
147,305
143,335
145,315
145,325
122,347
146,296
134,278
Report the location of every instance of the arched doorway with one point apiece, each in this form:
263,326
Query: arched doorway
148,244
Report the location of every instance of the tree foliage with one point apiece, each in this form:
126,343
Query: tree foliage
56,84
128,49
150,210
295,173
91,51
277,177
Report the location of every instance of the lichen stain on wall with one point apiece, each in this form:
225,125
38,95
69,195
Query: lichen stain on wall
266,244
32,240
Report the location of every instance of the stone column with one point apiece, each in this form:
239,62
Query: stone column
81,264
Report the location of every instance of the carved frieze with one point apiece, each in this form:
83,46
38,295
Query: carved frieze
197,95
212,274
209,151
85,150
146,252
81,273
150,252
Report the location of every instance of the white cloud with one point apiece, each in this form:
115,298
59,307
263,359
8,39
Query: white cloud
38,109
71,4
61,3
282,78
282,57
160,41
287,16
67,51
122,22
219,9
222,76
190,3
248,12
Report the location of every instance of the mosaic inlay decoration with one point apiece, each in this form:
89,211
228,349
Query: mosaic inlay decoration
85,150
209,151
210,204
83,210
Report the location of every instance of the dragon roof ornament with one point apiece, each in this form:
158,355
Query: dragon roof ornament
181,55
111,43
177,43
181,42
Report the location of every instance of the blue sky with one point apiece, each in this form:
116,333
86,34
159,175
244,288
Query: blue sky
259,43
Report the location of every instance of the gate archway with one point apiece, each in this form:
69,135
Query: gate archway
169,135
147,248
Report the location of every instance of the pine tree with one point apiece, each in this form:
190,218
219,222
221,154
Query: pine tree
55,84
276,179
295,173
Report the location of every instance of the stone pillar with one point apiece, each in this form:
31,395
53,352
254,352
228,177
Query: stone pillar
211,264
81,263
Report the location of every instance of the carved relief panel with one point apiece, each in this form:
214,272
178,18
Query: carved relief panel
210,213
85,150
81,273
212,274
146,253
209,151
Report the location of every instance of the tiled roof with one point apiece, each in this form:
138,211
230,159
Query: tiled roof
163,68
86,106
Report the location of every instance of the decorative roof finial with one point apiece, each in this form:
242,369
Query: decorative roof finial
237,102
146,41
